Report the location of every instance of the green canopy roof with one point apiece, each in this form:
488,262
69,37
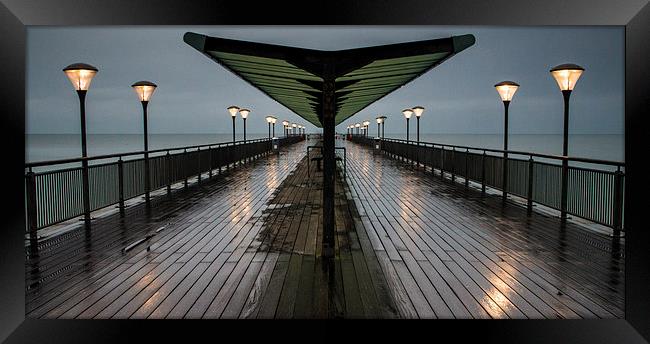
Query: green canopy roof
296,77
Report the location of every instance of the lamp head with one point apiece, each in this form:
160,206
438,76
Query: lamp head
144,90
80,75
244,113
418,110
506,90
407,113
566,75
233,110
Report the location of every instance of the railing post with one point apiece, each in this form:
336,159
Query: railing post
442,162
30,180
433,164
220,155
210,162
453,164
228,156
618,202
86,192
185,166
483,158
531,165
564,190
120,184
168,167
466,167
198,164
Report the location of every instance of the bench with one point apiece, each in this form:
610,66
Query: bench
319,160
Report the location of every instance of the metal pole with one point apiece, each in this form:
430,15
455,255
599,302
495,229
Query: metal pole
185,162
269,130
565,153
483,173
168,165
32,208
209,161
417,120
244,130
383,129
198,162
466,168
530,184
120,176
329,162
618,202
233,129
504,187
273,130
453,164
407,130
84,163
147,185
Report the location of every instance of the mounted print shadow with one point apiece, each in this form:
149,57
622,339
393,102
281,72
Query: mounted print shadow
507,203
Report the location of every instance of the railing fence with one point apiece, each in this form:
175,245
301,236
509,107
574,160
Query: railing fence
54,196
593,194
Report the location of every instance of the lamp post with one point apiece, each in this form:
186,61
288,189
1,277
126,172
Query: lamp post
273,122
80,75
383,125
566,76
418,110
357,125
294,125
233,113
407,114
144,90
379,119
506,90
285,124
269,120
244,114
365,125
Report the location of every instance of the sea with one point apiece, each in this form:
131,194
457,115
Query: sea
44,147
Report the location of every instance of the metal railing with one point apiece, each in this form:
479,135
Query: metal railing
595,194
57,195
362,139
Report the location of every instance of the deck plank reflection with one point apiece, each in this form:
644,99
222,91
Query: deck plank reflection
247,244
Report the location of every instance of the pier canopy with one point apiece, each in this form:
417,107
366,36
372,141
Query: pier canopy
309,81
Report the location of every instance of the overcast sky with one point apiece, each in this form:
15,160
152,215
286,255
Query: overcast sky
194,91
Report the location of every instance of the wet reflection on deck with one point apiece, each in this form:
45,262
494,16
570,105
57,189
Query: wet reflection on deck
246,244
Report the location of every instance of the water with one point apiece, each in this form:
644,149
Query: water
42,147
593,146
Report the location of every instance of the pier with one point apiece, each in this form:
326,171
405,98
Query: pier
325,226
246,244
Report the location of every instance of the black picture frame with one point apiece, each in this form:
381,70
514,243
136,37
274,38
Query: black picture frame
15,15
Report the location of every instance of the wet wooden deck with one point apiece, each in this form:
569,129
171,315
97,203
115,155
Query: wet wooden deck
246,244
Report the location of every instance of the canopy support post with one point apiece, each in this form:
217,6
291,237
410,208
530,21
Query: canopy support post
329,163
